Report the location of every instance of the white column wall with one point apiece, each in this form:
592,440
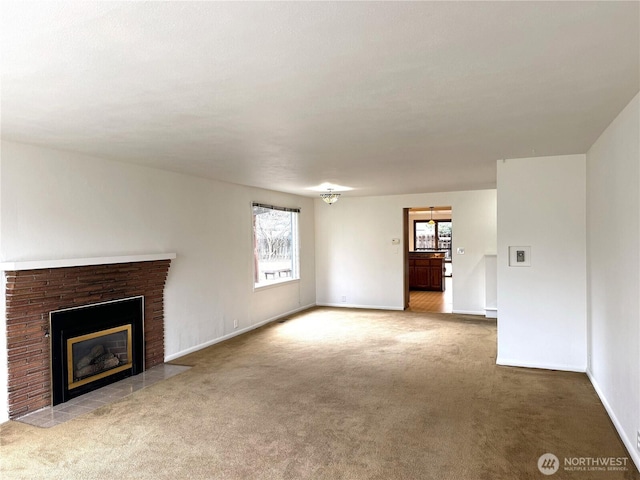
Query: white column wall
613,266
542,308
357,262
60,205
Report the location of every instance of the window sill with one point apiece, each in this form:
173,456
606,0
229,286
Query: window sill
274,283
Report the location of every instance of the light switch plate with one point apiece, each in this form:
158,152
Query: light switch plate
460,251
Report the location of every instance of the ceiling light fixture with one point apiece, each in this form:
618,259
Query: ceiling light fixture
330,198
431,222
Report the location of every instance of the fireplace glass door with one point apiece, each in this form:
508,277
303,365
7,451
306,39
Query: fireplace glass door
96,355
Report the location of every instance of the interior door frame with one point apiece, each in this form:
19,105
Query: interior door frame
405,255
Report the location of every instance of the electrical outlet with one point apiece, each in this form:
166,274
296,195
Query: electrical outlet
343,299
235,323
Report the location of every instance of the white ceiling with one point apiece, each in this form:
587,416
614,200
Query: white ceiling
383,97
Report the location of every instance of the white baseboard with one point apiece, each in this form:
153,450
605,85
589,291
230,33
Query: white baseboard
353,305
506,362
469,312
235,333
491,312
631,447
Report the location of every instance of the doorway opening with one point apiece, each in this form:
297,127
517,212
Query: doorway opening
428,233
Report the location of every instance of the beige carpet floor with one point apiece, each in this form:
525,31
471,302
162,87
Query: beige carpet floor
334,394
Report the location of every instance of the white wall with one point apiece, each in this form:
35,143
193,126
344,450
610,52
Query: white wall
491,285
542,308
356,260
4,405
59,205
613,266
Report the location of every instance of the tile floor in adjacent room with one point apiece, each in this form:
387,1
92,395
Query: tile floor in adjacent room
438,302
51,416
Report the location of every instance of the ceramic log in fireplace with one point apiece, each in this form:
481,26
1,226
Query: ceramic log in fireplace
95,345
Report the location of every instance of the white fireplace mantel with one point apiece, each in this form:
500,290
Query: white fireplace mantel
81,262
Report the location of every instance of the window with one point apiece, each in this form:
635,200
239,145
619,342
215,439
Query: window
435,237
275,244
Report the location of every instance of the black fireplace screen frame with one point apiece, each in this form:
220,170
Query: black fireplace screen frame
74,322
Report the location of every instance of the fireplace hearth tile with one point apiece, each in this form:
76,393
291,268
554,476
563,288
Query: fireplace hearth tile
75,410
52,416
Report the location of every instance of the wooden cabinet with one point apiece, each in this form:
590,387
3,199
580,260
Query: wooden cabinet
426,272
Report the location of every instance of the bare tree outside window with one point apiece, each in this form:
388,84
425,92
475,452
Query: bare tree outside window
275,245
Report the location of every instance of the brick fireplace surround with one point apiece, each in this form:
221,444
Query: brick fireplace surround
32,293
